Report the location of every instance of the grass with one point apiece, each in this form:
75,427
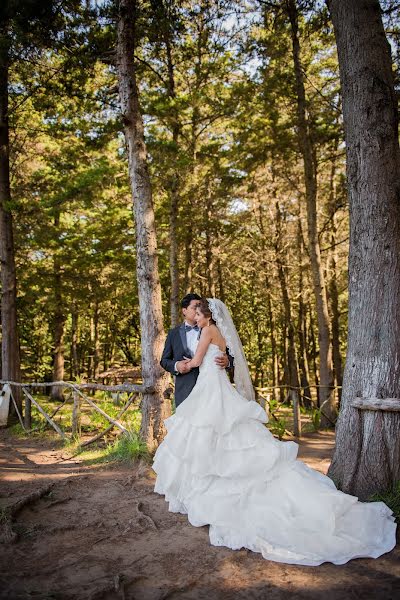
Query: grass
391,498
126,448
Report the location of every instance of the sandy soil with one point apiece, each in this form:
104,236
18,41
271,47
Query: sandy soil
101,533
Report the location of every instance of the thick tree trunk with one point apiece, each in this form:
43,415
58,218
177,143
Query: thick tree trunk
327,397
367,454
10,355
155,407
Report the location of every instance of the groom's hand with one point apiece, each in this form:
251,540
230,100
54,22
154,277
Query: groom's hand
222,361
182,366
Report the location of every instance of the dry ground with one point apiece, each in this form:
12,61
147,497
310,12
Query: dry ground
101,533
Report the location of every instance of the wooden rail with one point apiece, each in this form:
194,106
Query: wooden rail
76,388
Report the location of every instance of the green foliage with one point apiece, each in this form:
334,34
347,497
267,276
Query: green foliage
222,138
278,427
126,448
316,418
391,498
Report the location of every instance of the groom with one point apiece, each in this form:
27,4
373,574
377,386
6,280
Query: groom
180,347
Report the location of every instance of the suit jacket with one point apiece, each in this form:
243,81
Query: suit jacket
174,350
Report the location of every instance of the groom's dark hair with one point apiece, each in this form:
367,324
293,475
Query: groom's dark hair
188,298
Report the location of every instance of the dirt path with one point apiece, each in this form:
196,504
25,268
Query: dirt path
101,533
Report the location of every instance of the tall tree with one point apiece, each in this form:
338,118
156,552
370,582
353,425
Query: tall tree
155,407
10,357
327,398
20,28
367,454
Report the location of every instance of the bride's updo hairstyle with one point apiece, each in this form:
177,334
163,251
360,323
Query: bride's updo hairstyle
204,308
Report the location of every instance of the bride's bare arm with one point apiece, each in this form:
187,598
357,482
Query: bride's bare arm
205,339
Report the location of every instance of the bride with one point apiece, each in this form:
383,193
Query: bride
221,466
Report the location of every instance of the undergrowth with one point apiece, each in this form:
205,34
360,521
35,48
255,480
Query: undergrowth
391,498
126,448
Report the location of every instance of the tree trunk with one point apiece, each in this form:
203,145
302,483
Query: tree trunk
173,257
10,354
59,321
74,343
332,284
327,397
268,298
367,454
301,327
209,275
292,370
272,330
58,356
155,407
173,185
334,303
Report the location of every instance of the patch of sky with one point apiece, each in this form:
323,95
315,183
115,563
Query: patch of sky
237,206
237,172
38,255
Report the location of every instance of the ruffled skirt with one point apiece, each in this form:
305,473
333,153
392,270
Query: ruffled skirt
221,466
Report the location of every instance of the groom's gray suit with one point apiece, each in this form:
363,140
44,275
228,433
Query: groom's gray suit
175,349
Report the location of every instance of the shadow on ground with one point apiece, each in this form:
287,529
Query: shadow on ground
101,533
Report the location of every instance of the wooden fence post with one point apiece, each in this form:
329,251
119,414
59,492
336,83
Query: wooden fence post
28,413
76,414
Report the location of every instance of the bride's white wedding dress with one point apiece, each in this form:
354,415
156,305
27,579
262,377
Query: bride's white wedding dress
221,466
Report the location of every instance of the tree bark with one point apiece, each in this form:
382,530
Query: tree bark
292,370
188,262
155,407
334,302
58,330
74,343
367,454
173,183
327,397
10,353
96,341
209,254
301,327
312,352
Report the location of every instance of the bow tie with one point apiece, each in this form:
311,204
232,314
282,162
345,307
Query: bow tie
189,328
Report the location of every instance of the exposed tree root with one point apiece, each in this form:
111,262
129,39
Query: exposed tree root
7,534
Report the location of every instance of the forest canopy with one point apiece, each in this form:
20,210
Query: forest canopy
242,111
